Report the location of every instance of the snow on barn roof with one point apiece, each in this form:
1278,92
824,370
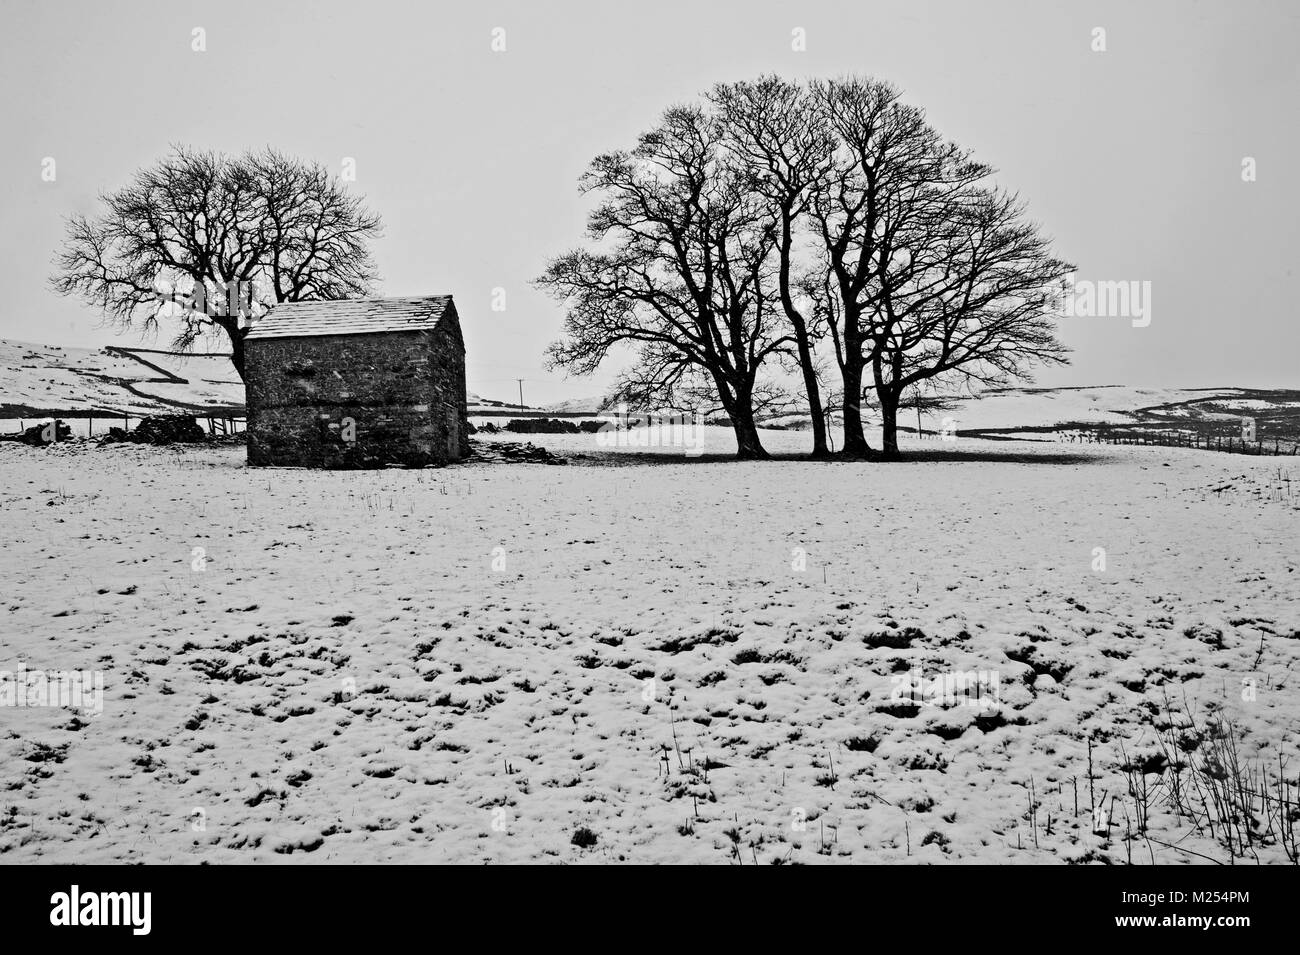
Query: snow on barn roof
353,316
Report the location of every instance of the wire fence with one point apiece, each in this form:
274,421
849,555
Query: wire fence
1228,444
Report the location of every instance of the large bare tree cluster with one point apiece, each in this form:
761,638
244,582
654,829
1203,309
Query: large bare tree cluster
824,233
212,241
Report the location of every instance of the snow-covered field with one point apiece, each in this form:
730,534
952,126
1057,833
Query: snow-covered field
689,660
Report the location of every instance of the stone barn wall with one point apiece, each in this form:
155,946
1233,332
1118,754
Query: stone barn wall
404,392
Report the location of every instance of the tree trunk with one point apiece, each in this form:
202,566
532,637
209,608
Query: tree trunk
236,336
748,446
237,355
801,339
855,439
810,388
889,425
739,405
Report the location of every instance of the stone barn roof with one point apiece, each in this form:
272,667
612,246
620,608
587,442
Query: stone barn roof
352,317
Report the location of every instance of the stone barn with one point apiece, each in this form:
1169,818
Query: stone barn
356,383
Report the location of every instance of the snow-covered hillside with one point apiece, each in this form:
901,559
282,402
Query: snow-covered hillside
48,379
42,379
38,380
589,406
1045,407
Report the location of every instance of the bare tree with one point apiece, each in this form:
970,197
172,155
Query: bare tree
785,150
779,216
211,242
971,298
891,170
681,271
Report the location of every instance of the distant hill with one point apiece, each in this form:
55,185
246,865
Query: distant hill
41,380
1044,413
578,406
47,379
1013,410
478,405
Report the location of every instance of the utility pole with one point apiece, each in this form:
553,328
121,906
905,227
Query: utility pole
521,391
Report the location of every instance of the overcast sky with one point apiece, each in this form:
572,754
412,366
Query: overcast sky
1131,158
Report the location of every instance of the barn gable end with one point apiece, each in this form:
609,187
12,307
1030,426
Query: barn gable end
357,383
